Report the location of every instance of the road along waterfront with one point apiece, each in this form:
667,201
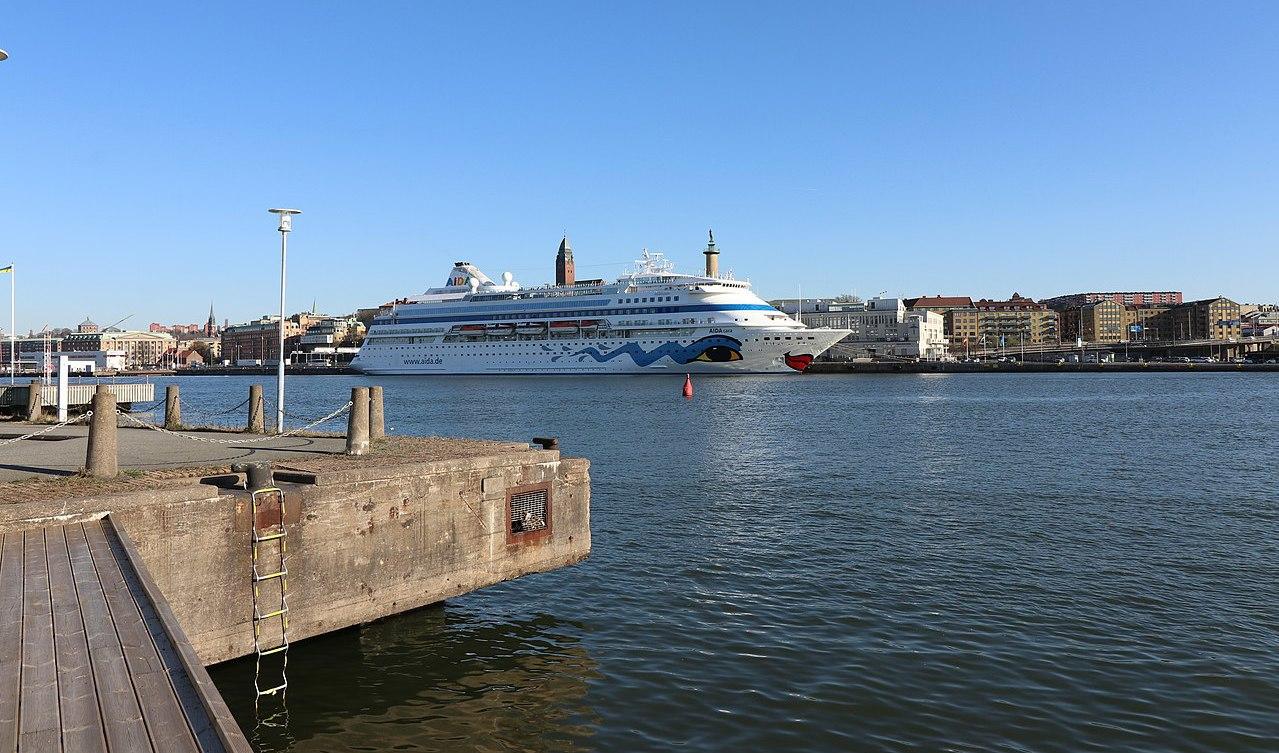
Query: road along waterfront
1040,562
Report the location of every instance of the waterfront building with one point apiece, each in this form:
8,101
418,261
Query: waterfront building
31,351
1143,298
87,326
1100,321
139,349
1206,319
1145,322
943,305
1257,317
259,341
1009,323
881,327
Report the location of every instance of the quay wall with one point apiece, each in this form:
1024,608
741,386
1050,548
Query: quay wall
1029,367
362,544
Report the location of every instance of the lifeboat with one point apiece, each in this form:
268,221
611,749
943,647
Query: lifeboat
470,329
500,329
530,328
564,328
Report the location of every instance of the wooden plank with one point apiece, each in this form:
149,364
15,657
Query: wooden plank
11,578
161,710
38,720
121,712
215,727
77,693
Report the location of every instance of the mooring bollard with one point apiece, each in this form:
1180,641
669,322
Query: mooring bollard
257,410
34,400
172,408
377,417
102,459
357,424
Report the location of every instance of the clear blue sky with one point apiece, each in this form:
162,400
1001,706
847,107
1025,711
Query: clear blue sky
964,148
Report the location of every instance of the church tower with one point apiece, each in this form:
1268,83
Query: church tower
712,256
565,274
211,326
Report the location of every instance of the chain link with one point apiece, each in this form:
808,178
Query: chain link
47,429
264,438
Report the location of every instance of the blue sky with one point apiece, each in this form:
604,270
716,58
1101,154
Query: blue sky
969,148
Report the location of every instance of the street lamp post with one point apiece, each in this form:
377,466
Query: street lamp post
286,225
13,336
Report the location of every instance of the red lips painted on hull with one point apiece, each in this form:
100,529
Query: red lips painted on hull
798,363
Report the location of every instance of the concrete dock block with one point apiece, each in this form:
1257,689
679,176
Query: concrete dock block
257,410
172,408
377,415
357,426
102,457
34,403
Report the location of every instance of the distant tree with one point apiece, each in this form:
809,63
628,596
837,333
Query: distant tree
201,347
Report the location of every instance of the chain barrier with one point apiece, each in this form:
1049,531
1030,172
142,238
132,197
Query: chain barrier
47,429
263,438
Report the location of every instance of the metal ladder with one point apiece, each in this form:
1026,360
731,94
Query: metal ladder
270,545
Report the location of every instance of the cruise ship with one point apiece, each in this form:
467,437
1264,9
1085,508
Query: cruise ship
650,320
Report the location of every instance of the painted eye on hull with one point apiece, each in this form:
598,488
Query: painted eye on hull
719,354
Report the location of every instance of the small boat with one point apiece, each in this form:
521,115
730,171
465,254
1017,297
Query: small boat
530,328
564,328
500,329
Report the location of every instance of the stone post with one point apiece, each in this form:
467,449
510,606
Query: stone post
257,410
102,459
357,425
34,399
172,408
377,418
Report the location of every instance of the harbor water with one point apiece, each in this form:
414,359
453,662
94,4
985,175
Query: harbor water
995,562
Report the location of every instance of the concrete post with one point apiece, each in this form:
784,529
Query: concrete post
34,399
377,418
172,408
102,459
257,410
357,425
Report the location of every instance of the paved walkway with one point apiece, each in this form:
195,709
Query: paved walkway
91,656
61,452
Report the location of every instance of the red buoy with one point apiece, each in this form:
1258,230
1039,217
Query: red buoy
688,386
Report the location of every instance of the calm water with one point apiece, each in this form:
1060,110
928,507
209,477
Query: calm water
967,562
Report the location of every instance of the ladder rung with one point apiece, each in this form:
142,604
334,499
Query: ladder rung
273,691
260,578
267,537
275,650
269,615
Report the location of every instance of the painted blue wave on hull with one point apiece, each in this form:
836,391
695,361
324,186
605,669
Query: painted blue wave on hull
677,353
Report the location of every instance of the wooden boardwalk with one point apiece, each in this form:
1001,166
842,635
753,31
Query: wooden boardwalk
92,658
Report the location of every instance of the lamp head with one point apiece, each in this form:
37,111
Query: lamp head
286,218
4,55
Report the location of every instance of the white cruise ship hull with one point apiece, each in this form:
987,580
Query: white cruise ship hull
719,350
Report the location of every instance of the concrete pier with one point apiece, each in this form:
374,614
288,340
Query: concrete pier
419,521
